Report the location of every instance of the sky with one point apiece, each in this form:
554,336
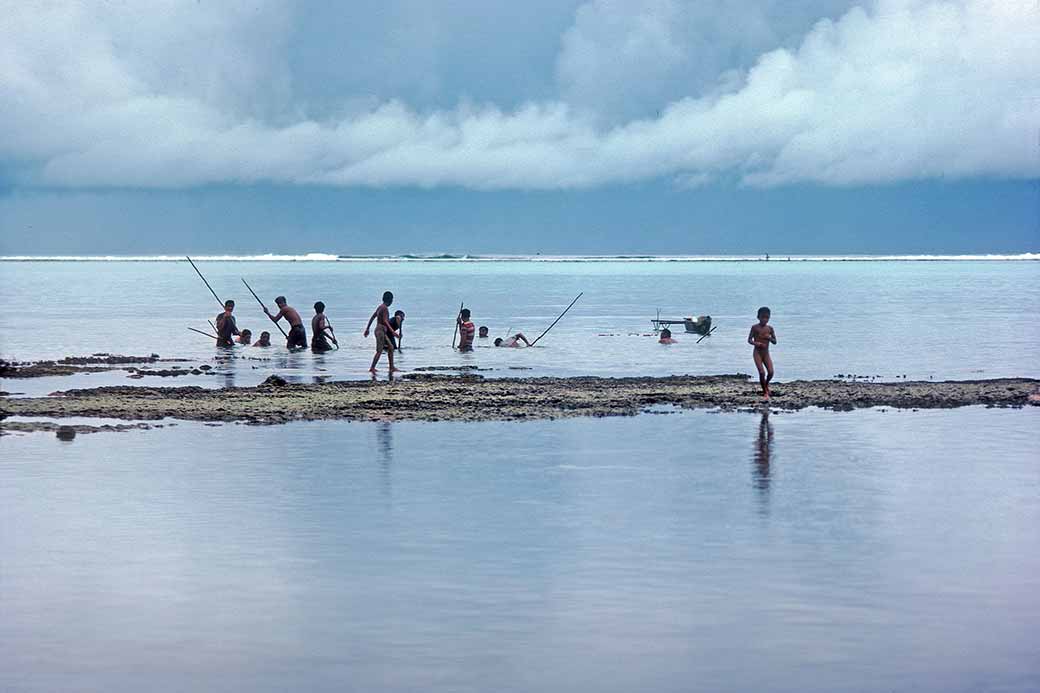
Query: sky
553,126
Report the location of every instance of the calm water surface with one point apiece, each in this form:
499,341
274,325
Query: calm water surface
920,319
814,551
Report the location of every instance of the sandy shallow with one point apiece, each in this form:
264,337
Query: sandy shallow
429,397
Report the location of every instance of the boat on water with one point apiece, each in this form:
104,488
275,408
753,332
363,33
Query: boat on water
694,325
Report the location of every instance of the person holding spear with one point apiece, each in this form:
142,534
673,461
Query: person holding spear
226,327
297,337
322,331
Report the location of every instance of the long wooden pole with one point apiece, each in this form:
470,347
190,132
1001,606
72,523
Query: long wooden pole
455,335
263,306
207,334
558,319
206,282
335,342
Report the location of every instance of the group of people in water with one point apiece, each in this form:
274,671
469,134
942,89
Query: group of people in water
389,328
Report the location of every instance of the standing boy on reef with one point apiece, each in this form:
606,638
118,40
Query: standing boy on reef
297,334
760,337
321,331
226,327
381,315
466,330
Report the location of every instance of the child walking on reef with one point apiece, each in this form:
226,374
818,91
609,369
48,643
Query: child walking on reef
381,316
760,337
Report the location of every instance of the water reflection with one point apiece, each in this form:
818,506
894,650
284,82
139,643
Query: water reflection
762,454
385,455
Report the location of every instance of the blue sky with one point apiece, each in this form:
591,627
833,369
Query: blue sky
598,127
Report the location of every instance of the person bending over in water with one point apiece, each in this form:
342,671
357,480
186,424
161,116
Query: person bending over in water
397,323
226,327
264,341
666,337
466,330
512,341
245,337
482,333
297,334
321,331
760,337
381,316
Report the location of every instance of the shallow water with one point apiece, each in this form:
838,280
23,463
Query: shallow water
813,551
942,320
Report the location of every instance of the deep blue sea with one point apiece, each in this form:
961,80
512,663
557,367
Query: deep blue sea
875,550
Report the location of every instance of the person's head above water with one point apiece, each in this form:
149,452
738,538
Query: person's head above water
388,297
319,307
763,314
265,338
483,331
398,313
465,313
666,333
498,341
280,301
245,336
229,305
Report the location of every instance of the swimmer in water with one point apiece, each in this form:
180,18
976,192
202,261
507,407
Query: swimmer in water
760,337
666,337
512,341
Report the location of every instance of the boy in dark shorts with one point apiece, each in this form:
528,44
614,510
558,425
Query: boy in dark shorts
760,337
381,316
321,331
466,331
226,327
297,338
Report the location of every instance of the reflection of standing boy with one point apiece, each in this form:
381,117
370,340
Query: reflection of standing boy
466,331
381,316
761,336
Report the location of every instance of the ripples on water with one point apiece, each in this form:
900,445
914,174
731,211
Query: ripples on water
870,550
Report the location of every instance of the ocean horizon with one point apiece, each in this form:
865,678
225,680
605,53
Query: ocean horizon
486,257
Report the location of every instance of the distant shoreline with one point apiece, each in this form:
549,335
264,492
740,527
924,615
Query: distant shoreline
444,257
472,398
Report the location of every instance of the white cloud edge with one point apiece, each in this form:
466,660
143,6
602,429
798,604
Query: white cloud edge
907,90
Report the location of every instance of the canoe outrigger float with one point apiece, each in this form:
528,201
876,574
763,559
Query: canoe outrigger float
700,325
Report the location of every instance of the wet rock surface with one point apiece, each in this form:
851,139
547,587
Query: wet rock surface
470,397
96,363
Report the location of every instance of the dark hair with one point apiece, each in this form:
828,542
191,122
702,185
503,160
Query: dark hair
399,313
229,303
465,313
483,328
280,300
388,296
764,310
319,307
265,333
498,340
247,332
665,333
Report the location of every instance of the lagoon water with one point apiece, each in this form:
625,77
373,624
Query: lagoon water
941,320
810,551
814,551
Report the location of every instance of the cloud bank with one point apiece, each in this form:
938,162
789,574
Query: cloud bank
183,94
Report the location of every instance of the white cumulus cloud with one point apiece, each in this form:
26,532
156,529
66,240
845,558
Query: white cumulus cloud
174,96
